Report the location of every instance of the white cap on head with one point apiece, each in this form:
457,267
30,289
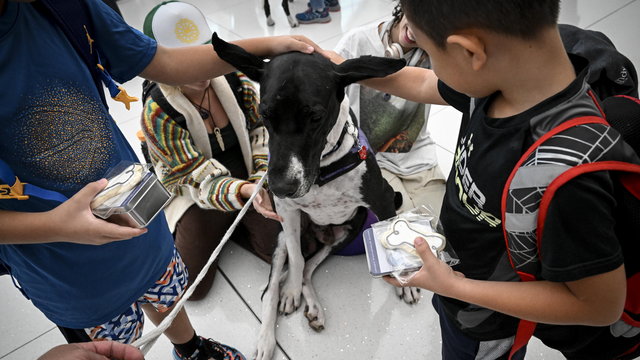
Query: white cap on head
176,24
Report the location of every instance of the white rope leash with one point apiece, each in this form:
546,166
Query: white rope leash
146,342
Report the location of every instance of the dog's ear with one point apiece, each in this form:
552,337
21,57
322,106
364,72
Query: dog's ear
366,67
238,57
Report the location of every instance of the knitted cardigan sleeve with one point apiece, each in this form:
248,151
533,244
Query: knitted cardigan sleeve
182,168
258,135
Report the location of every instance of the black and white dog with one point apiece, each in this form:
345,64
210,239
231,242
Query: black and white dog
319,168
293,22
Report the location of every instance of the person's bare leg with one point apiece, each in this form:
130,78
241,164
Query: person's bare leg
180,330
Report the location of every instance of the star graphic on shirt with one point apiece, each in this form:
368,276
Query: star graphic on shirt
124,98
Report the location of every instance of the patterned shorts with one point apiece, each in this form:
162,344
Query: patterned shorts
127,327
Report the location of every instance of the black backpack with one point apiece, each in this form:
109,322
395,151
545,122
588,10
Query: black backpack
613,78
575,147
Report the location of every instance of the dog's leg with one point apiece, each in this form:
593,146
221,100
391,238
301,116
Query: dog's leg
292,288
293,22
267,13
382,204
267,335
313,310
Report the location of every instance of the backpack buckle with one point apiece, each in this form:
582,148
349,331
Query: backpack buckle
15,191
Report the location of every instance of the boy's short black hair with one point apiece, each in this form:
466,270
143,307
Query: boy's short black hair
440,18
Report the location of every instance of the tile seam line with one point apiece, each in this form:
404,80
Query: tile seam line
224,275
27,343
609,14
445,149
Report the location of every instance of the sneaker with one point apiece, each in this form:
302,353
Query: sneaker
332,5
313,16
211,349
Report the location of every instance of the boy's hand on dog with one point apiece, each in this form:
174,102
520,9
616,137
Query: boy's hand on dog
290,43
74,222
262,201
434,275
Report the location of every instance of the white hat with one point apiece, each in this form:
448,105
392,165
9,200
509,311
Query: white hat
175,24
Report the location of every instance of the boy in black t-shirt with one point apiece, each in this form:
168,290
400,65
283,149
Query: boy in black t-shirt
503,64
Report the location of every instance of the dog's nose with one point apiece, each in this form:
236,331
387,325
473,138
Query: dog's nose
285,187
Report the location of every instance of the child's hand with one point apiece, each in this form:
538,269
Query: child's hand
74,222
287,43
333,56
93,350
434,275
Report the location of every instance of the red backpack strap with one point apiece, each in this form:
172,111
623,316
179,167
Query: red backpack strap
515,263
526,328
631,181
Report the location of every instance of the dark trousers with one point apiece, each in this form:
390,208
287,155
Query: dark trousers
458,346
199,231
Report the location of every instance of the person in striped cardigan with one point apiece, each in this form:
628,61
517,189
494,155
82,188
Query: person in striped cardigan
208,146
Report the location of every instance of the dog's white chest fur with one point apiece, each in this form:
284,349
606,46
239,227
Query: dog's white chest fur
333,203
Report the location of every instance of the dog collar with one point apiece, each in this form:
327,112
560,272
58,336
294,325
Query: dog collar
357,154
351,129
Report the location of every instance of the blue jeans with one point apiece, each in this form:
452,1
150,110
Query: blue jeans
317,4
458,346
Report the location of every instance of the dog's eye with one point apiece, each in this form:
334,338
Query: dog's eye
317,117
315,114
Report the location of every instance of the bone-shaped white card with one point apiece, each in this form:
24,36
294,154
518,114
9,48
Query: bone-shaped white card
118,185
402,235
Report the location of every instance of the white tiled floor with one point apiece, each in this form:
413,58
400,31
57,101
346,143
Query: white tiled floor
364,318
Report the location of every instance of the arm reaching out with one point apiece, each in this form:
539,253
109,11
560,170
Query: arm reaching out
72,221
183,65
412,83
593,301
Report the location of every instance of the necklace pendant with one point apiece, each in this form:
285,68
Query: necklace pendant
218,134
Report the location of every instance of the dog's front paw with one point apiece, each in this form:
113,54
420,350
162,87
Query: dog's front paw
270,21
315,315
289,300
266,346
410,295
313,311
293,22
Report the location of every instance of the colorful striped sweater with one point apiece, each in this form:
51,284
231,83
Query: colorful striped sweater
182,157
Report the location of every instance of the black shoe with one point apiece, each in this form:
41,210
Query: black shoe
211,350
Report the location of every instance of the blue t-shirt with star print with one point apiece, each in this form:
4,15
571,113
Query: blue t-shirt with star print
56,133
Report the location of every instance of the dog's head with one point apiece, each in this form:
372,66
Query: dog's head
300,96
